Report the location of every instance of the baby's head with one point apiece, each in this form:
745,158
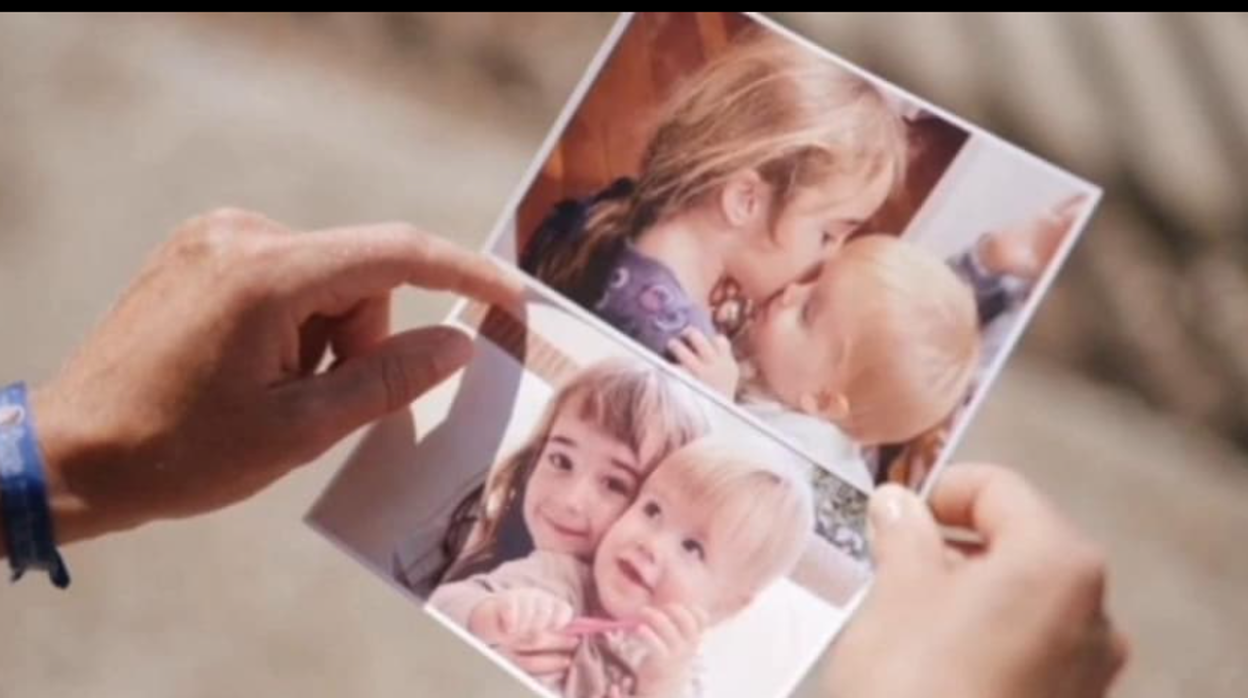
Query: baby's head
884,343
716,522
604,432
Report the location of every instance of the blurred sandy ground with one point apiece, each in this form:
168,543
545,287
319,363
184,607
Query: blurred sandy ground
113,129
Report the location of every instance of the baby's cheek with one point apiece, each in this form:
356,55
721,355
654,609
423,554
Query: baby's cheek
675,595
701,589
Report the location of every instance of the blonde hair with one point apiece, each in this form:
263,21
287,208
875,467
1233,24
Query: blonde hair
910,337
629,400
763,504
766,104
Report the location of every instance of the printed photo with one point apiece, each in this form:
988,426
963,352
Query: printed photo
843,260
598,521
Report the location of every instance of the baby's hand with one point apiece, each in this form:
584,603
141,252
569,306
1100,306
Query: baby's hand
515,616
672,635
709,360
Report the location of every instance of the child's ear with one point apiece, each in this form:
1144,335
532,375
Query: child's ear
742,199
830,405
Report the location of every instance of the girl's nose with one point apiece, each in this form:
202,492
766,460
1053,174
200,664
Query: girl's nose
575,502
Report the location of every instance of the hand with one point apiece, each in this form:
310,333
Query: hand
514,618
672,636
1022,615
1025,250
709,360
545,656
204,384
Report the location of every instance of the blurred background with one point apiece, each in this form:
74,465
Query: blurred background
1127,402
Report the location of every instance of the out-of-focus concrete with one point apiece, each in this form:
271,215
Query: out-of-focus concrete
114,129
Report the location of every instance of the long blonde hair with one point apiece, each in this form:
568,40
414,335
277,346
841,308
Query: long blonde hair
628,399
766,104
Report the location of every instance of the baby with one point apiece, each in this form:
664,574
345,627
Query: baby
711,528
877,349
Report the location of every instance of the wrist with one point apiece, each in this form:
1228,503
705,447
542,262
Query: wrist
27,523
74,460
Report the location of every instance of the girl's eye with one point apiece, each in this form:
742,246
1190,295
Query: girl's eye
561,462
618,486
694,548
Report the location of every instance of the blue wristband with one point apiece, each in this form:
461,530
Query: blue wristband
28,529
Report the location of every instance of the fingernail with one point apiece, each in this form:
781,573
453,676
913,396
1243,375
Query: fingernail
888,505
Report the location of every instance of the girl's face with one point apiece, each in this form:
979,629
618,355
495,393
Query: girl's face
582,482
781,248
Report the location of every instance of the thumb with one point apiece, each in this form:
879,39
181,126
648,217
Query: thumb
906,541
388,377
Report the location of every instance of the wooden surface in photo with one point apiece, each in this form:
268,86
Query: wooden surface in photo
606,137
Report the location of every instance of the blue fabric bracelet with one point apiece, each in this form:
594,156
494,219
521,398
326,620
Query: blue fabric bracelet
28,530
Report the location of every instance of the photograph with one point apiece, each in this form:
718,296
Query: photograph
844,261
571,495
760,283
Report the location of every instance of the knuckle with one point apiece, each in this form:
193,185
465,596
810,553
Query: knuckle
399,380
1086,568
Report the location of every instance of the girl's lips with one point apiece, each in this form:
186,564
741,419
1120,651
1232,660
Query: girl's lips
566,531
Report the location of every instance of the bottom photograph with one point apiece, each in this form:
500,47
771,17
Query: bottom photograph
600,524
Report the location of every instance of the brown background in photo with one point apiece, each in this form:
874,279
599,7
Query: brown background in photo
605,138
